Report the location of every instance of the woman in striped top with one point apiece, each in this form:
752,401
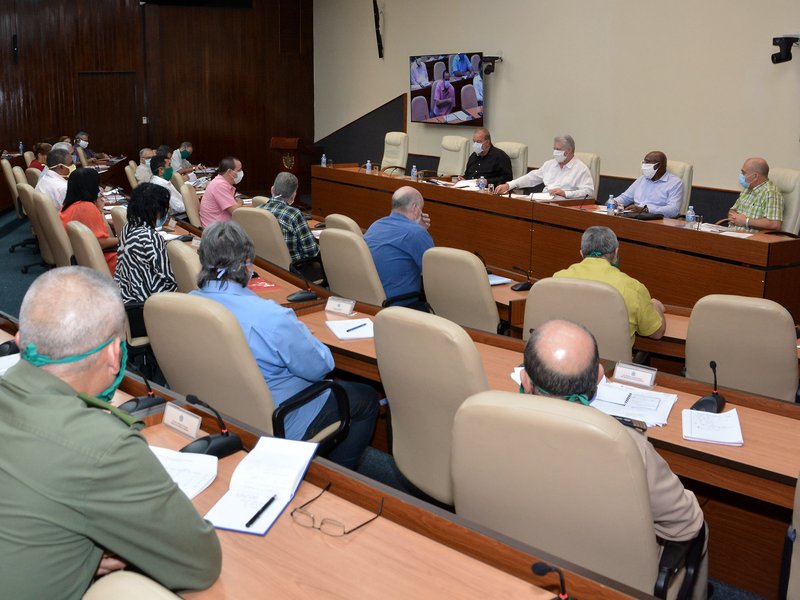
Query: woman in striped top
143,265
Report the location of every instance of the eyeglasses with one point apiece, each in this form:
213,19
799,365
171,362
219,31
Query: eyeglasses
331,527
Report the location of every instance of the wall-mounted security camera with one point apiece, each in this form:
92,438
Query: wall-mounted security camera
784,44
489,62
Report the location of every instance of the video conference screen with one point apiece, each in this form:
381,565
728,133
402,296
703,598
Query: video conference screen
447,88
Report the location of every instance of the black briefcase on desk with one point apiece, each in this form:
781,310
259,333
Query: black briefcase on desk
642,216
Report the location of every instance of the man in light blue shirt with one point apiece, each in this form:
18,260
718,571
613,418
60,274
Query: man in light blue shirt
289,356
397,243
657,190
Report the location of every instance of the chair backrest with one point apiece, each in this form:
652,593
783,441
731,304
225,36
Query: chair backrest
8,172
201,350
28,156
32,176
685,171
593,162
53,230
177,180
133,164
26,193
88,252
257,201
764,362
788,182
594,304
191,204
469,99
395,152
119,216
518,153
793,591
349,266
126,585
19,175
455,152
130,173
476,63
82,156
438,70
419,109
457,288
337,221
263,227
185,265
428,367
562,477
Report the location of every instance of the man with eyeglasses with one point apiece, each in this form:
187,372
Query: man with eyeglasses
657,190
562,360
53,182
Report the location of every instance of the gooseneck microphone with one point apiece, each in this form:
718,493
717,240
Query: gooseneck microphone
142,402
522,286
542,568
713,402
220,444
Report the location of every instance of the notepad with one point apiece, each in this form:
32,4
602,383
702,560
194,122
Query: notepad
275,467
498,280
352,329
192,472
541,197
620,400
723,428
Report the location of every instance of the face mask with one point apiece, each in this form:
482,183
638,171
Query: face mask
167,173
83,144
32,356
147,162
238,177
184,154
648,170
160,222
743,180
560,156
477,147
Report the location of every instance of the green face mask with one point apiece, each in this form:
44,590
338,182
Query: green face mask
582,398
167,173
31,355
185,154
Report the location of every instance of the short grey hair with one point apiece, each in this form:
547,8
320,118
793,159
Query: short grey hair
599,242
225,249
566,140
80,133
285,185
186,145
57,156
62,146
68,311
404,198
143,150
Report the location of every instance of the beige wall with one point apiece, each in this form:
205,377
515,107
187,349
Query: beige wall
692,78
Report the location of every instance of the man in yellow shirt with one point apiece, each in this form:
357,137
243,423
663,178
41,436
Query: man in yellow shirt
600,252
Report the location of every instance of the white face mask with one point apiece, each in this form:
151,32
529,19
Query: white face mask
559,155
83,144
477,147
238,177
648,170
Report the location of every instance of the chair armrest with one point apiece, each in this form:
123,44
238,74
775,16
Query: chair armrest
305,396
724,221
393,168
688,554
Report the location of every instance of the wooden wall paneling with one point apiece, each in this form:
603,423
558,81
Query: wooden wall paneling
107,109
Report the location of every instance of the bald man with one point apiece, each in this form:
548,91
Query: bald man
656,190
760,205
82,494
561,360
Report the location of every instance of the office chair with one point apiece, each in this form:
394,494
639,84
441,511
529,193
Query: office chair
177,180
86,248
395,152
685,172
337,221
191,204
266,233
469,98
53,230
758,355
28,156
26,193
567,479
454,155
119,216
788,182
419,109
518,153
130,173
428,367
592,161
438,70
457,288
595,305
32,176
127,585
185,265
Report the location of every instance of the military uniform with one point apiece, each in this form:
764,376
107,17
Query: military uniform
76,481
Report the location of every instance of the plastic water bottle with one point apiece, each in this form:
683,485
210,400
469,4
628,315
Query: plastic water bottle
690,217
21,148
482,183
611,206
368,168
413,171
324,161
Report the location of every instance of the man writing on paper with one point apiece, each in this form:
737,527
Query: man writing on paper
561,360
657,190
563,176
82,494
487,160
600,253
760,205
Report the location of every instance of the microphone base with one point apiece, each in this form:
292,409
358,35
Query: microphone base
713,403
218,444
141,403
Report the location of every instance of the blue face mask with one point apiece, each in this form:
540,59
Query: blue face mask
147,162
31,355
160,222
743,180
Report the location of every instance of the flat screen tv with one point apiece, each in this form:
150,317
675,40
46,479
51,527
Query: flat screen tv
447,88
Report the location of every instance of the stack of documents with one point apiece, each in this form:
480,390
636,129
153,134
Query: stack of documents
722,428
352,329
620,400
498,280
192,472
267,476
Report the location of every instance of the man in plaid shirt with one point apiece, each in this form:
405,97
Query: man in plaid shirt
298,236
760,205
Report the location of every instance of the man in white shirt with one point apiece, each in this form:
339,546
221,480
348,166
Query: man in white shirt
419,73
53,182
162,174
143,173
180,159
563,176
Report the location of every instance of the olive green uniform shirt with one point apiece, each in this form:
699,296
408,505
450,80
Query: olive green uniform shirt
76,480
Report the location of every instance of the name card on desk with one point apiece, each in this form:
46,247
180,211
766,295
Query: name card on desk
635,374
340,306
181,420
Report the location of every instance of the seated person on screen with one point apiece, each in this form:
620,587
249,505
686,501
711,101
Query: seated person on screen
487,160
83,495
53,181
84,203
760,205
444,96
180,159
162,176
657,190
397,243
220,200
82,141
563,175
40,151
143,267
461,65
477,83
600,252
561,360
298,236
143,172
289,356
419,73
